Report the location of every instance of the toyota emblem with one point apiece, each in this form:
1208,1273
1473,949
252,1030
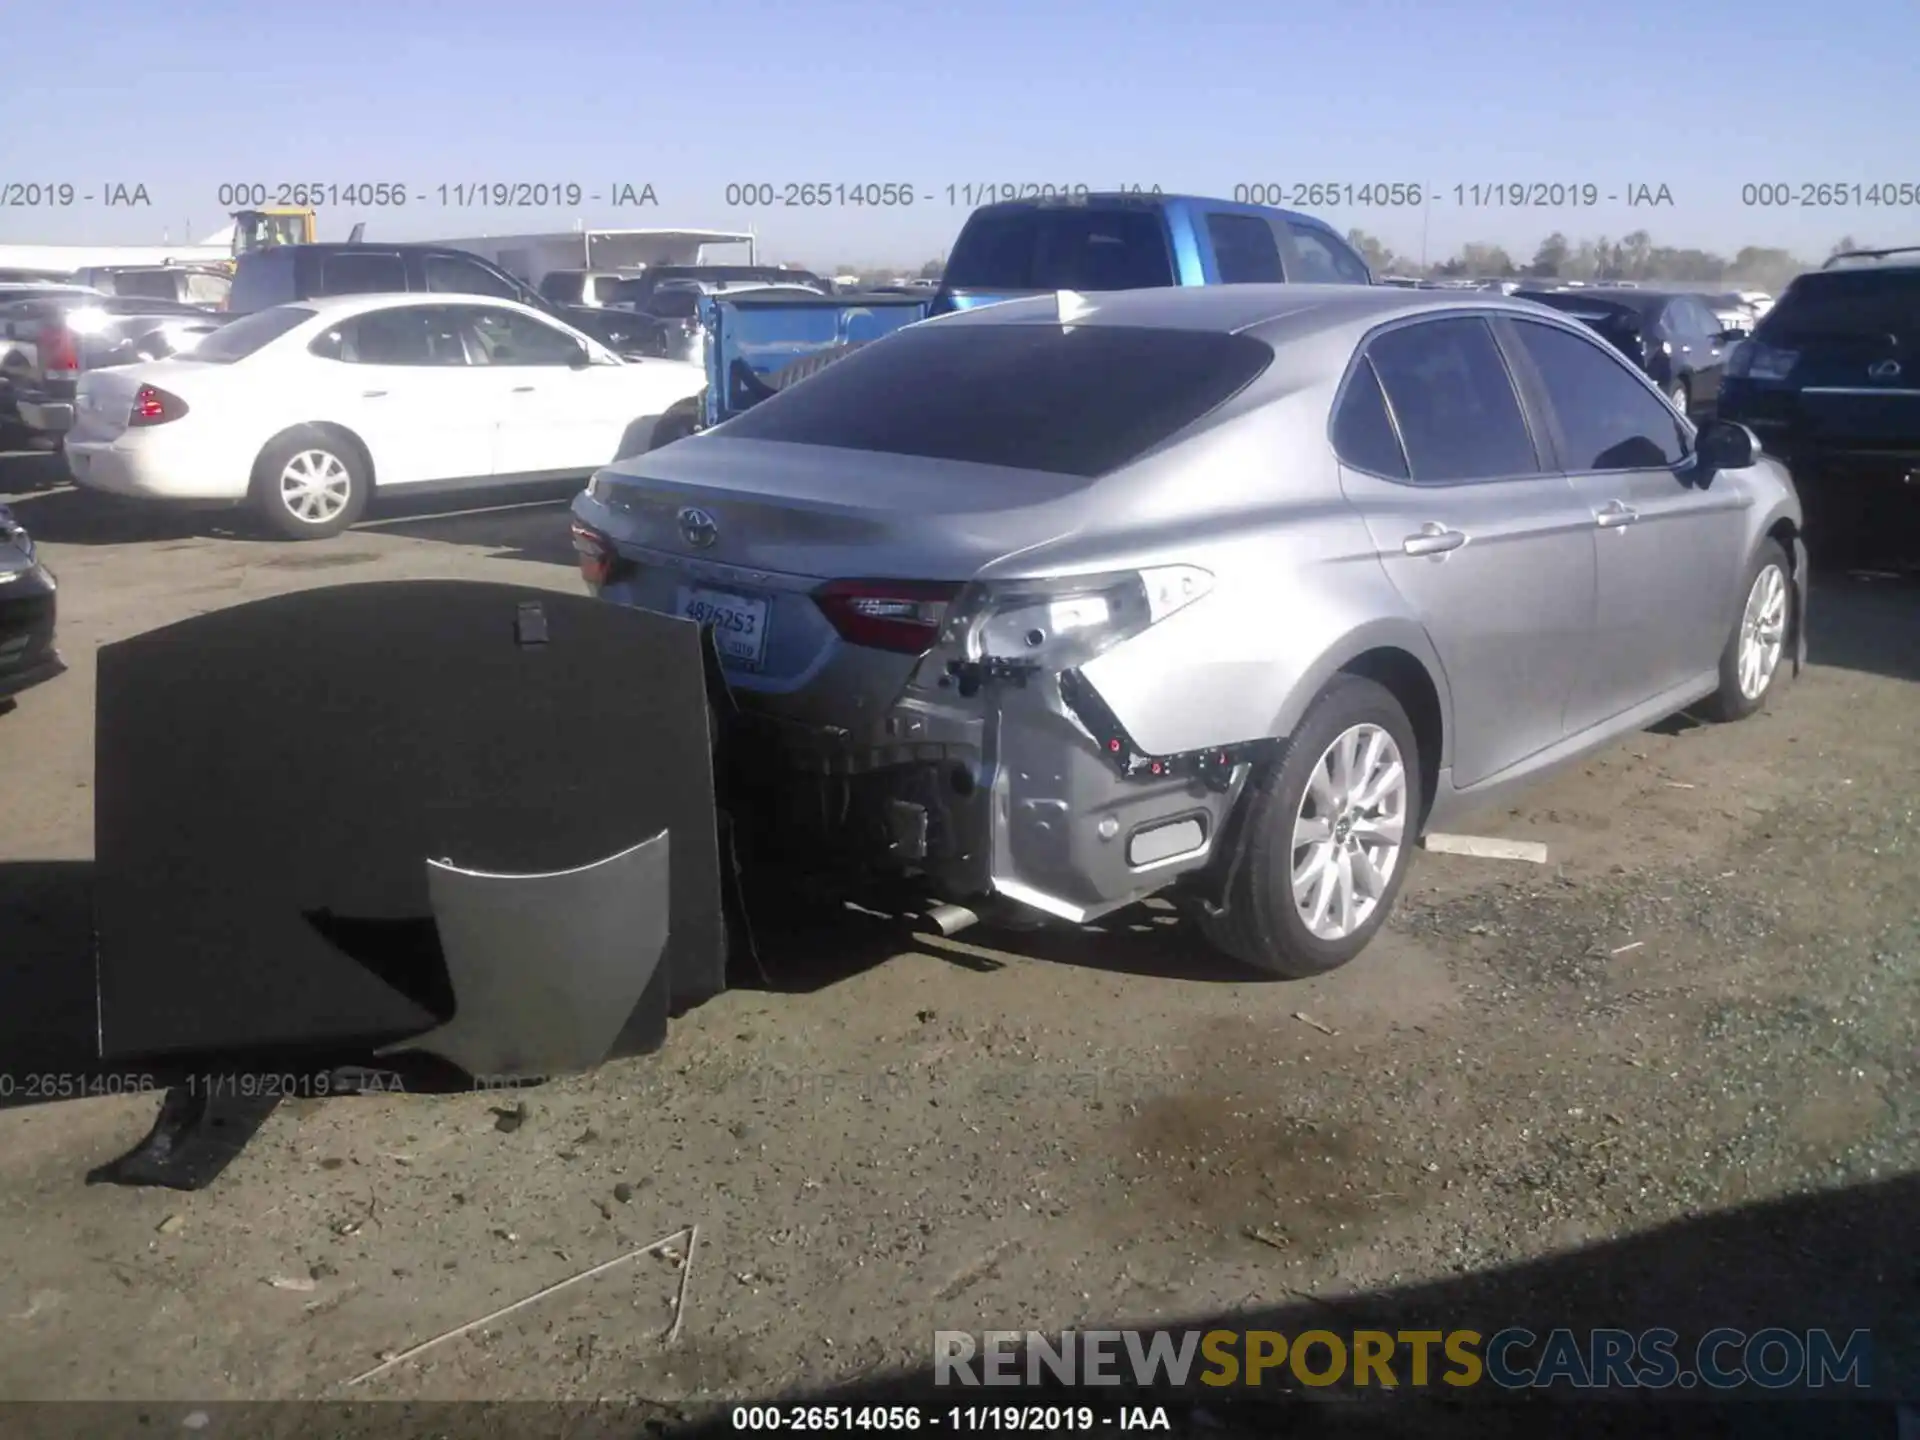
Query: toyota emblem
698,528
1885,370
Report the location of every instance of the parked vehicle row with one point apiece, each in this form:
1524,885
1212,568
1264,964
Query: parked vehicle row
1672,335
27,605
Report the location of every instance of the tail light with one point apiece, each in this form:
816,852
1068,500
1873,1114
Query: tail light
154,406
1064,622
903,616
599,559
59,350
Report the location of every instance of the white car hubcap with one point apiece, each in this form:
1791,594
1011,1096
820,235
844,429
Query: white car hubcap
1347,836
315,487
1763,631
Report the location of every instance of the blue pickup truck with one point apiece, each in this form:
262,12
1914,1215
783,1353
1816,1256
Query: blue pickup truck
759,344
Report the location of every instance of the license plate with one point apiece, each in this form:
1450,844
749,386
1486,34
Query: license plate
739,623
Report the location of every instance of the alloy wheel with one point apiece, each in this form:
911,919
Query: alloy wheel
1349,831
1763,631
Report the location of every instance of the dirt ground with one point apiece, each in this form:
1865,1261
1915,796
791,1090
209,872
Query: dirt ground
1709,998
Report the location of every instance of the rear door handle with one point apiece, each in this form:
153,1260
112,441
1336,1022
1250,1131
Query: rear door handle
1433,539
371,394
523,389
1614,514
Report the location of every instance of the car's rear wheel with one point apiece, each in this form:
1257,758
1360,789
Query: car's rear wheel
308,485
1751,663
1327,838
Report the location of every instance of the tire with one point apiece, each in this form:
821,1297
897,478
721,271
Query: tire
1262,926
810,365
679,422
1738,697
336,469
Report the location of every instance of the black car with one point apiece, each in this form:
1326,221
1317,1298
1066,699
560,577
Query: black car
1830,382
1670,334
27,656
286,274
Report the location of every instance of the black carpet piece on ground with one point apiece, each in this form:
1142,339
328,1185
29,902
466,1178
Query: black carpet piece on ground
272,778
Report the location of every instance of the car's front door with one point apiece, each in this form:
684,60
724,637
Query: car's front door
556,410
1484,540
1667,542
401,382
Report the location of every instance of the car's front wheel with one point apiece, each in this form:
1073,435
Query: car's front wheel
307,485
1327,838
1750,664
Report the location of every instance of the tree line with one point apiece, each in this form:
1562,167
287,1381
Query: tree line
1632,257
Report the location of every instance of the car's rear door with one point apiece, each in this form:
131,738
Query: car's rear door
1476,529
1667,540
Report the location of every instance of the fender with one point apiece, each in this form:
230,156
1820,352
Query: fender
1395,632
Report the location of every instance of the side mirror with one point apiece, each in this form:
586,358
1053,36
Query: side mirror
1724,445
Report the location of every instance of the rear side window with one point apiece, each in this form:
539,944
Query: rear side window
1324,260
605,287
240,338
1848,304
368,274
1070,400
1244,250
262,280
1079,248
1454,401
1363,434
560,286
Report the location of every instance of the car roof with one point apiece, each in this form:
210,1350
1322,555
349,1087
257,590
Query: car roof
1136,199
370,247
1636,298
1296,308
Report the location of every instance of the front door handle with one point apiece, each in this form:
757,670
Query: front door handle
523,389
1433,539
372,394
1615,513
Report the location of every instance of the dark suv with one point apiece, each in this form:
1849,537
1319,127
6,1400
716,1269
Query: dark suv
1830,382
287,274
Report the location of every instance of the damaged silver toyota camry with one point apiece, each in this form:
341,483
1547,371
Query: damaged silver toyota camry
1229,592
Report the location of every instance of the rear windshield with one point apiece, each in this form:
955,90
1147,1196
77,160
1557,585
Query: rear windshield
240,338
1073,400
1594,312
262,280
152,284
1065,249
1848,303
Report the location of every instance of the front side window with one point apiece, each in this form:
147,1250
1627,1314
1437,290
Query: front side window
506,337
1454,400
1608,419
1324,260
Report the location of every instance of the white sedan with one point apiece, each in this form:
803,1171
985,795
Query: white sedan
307,410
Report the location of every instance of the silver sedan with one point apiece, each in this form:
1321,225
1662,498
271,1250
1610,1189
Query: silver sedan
1229,591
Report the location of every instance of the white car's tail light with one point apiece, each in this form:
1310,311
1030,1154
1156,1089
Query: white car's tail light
154,406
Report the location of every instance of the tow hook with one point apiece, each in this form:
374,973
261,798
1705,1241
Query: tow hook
970,675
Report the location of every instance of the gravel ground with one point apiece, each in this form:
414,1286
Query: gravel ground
1708,999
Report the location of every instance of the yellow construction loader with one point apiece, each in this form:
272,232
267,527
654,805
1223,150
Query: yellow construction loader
275,225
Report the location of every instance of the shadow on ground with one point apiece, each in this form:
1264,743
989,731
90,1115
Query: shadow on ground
1866,621
1839,1261
527,523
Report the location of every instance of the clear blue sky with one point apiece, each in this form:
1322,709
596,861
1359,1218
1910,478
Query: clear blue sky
1701,96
